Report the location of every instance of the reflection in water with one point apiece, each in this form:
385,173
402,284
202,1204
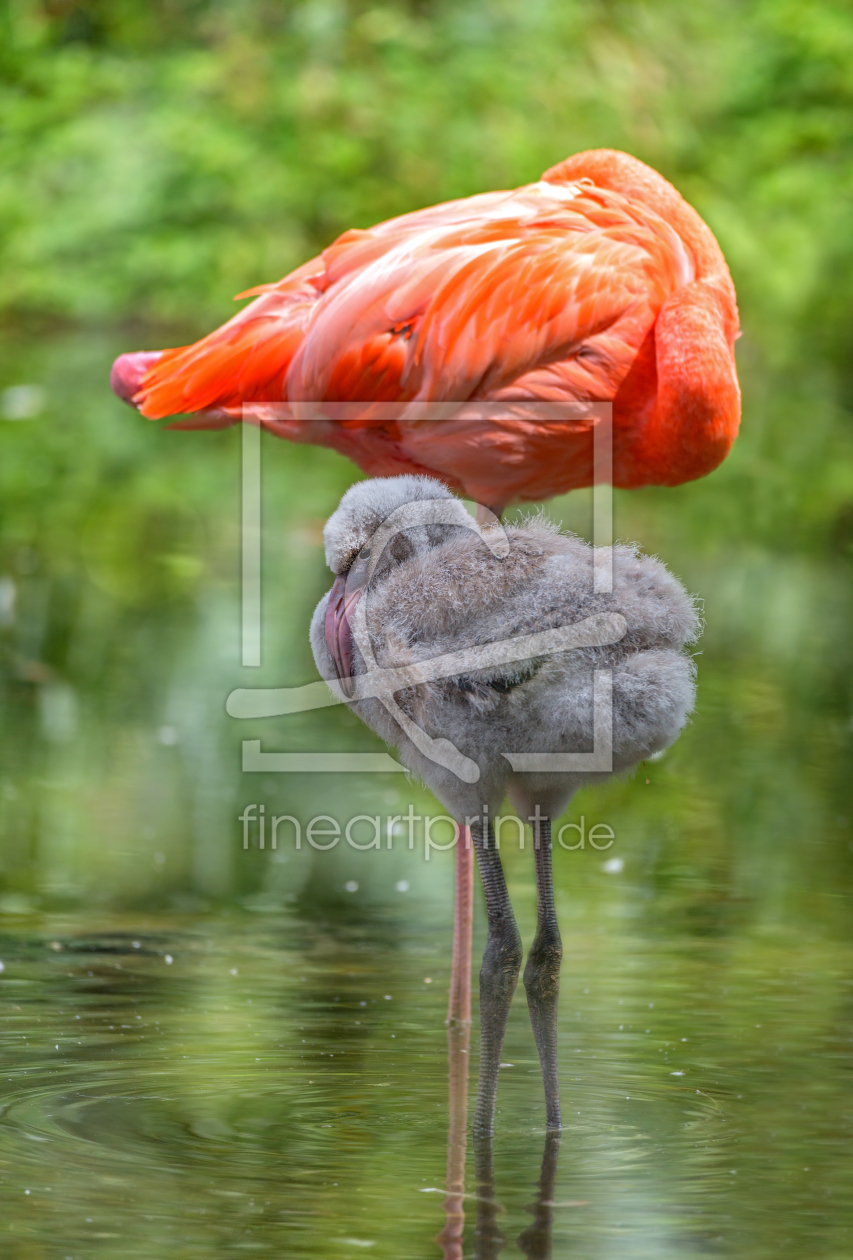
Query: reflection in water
276,1077
535,1241
488,1239
458,1042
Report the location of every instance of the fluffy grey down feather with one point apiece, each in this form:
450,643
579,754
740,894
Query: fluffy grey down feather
438,588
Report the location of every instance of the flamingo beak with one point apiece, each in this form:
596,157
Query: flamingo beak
343,598
128,371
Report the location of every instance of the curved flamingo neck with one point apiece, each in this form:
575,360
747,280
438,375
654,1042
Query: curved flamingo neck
667,430
608,168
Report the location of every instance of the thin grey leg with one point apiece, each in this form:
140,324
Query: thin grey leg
498,975
542,973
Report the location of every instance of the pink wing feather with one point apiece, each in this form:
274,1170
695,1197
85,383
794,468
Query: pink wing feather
550,292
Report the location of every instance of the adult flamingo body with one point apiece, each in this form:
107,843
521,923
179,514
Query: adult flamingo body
598,283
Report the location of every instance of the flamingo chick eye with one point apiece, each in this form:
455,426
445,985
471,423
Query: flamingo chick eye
364,554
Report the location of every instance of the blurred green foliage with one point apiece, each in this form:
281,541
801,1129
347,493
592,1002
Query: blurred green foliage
158,156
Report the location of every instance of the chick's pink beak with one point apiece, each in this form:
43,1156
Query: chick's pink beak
338,632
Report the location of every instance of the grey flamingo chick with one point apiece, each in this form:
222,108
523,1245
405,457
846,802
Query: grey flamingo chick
515,661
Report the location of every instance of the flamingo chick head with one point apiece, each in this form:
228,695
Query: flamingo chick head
359,549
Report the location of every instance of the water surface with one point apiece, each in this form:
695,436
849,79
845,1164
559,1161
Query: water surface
278,1084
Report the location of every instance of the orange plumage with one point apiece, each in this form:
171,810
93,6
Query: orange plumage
598,283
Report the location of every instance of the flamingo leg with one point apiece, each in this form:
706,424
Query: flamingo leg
489,515
498,975
458,1040
459,1003
542,972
